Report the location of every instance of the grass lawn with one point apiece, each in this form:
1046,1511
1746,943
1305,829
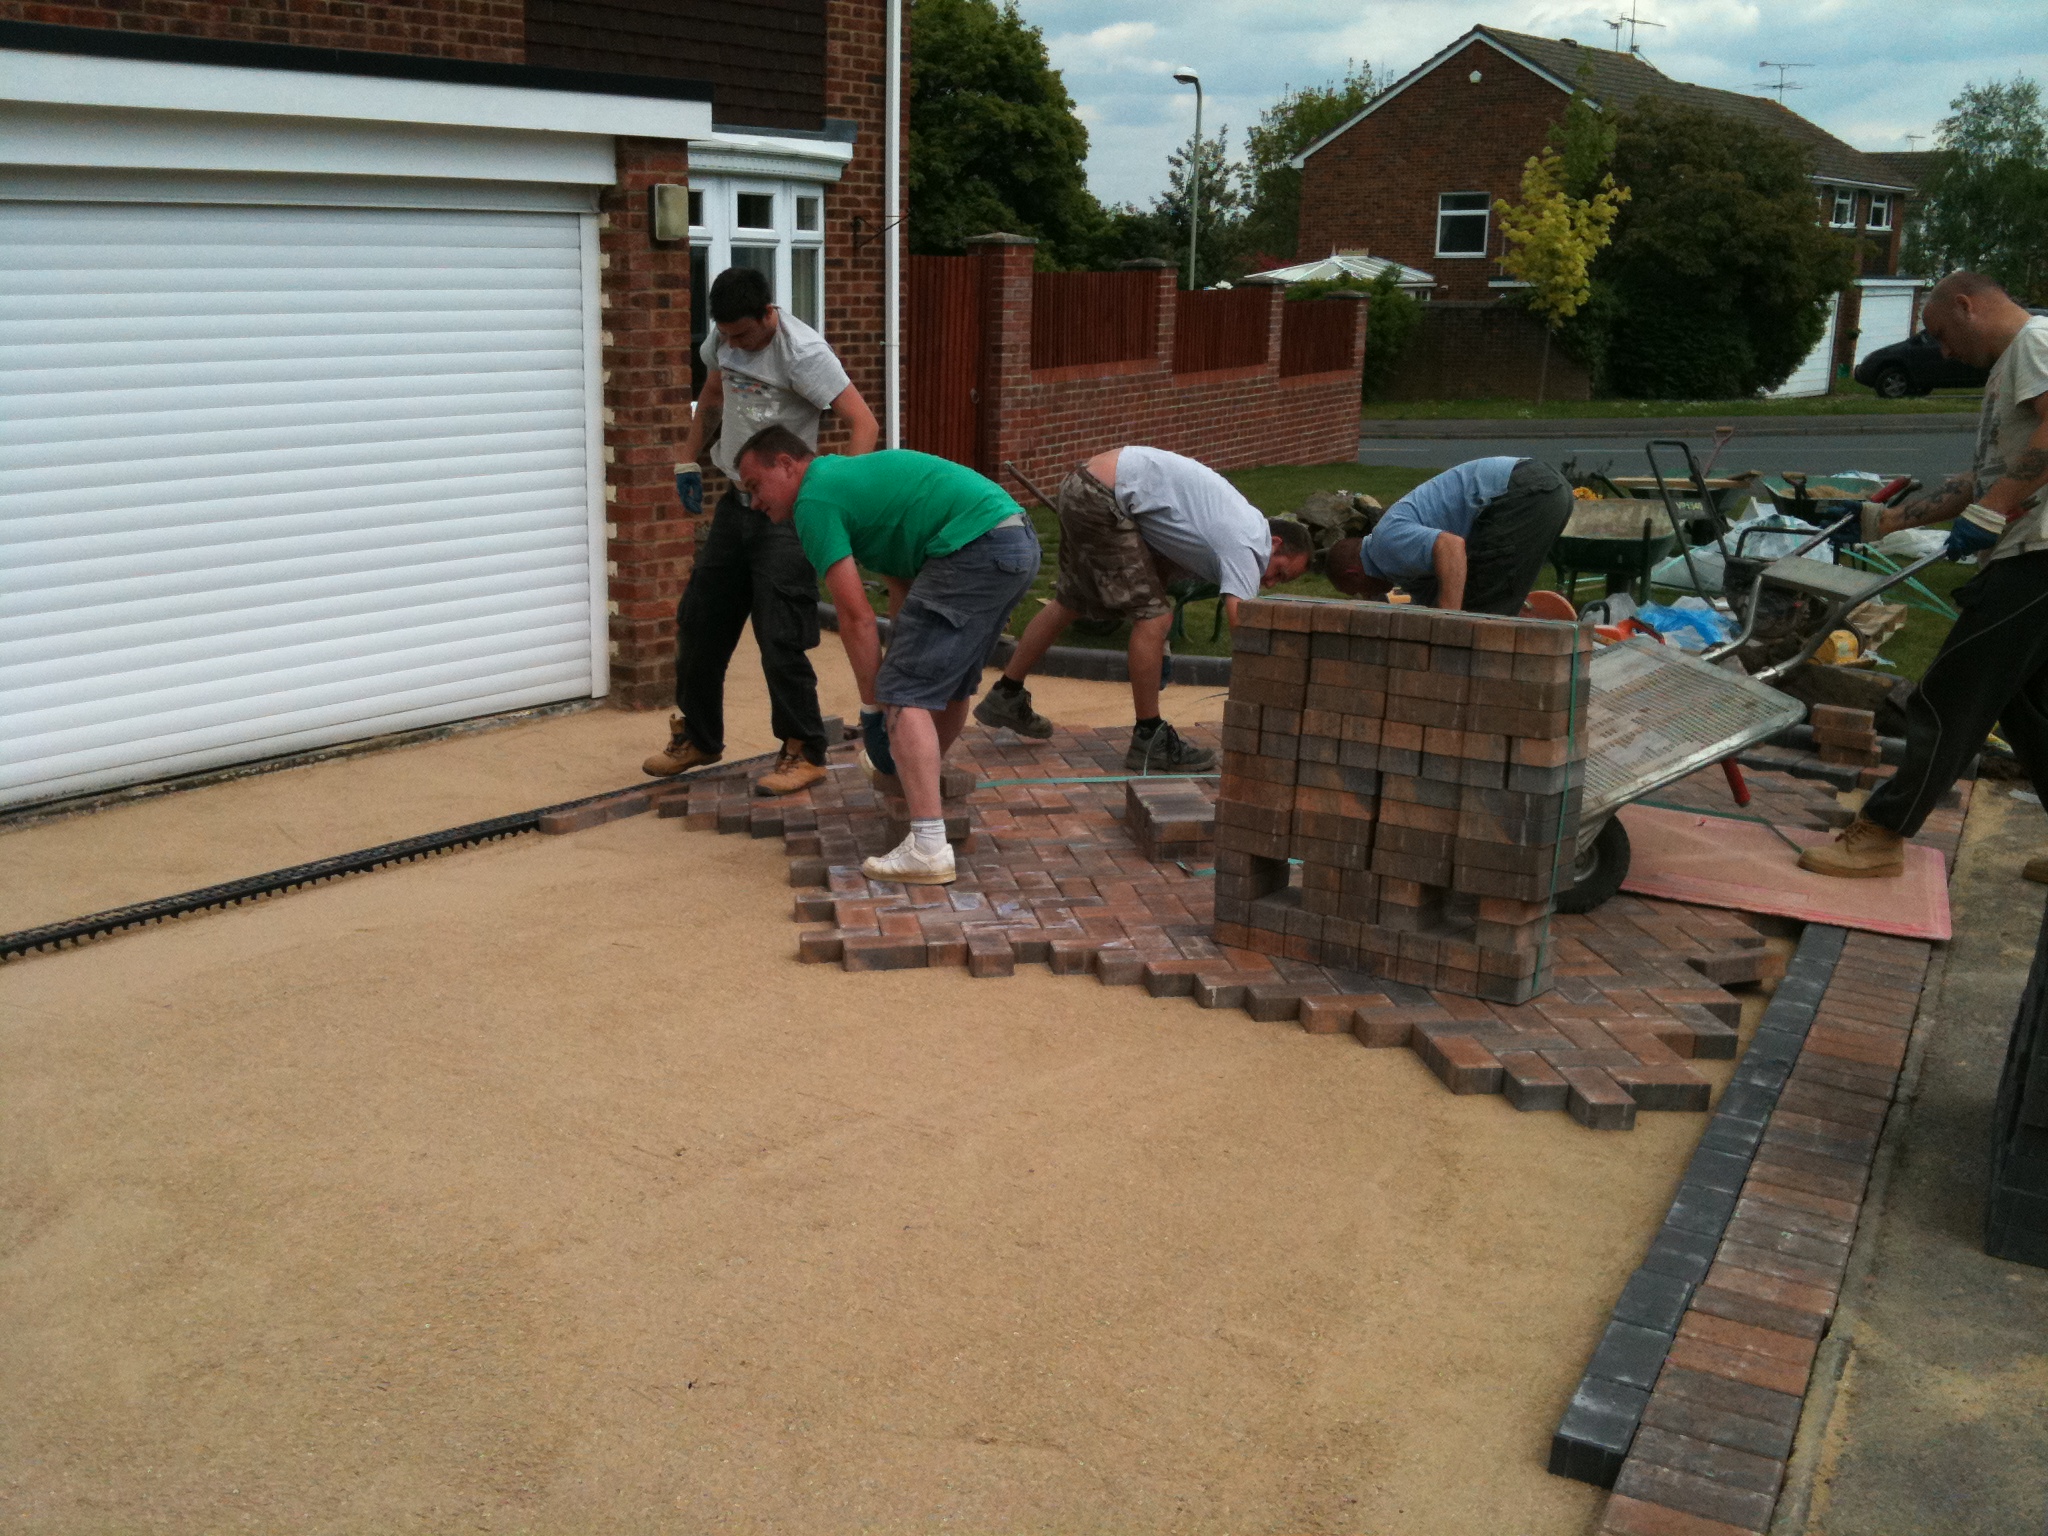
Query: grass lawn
1857,401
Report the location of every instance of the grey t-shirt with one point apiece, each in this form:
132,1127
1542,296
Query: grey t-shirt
2018,378
788,383
1195,518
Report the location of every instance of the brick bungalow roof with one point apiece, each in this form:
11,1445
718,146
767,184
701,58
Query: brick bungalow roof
1909,165
1617,81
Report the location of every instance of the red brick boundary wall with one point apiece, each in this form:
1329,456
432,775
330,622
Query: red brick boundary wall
1482,351
1047,420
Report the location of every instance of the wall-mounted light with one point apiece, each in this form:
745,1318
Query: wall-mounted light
668,211
1475,77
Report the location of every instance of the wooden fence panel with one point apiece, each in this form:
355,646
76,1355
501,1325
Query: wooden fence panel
1092,317
1315,336
1219,330
942,357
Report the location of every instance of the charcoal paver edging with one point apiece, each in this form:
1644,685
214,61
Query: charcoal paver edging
1760,1241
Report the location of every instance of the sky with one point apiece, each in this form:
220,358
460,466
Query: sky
1878,70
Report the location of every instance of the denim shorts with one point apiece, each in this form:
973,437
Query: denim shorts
952,617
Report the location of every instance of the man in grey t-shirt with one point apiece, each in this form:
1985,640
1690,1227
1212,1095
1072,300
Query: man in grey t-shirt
766,368
1993,666
1132,521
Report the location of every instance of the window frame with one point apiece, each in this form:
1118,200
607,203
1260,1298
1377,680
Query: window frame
718,206
1836,220
1879,200
1484,213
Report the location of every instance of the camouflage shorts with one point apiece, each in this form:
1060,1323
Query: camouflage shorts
1106,572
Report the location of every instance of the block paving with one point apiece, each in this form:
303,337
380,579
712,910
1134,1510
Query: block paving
1051,874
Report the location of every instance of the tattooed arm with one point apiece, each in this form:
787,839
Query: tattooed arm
2007,494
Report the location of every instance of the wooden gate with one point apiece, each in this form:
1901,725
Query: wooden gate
942,357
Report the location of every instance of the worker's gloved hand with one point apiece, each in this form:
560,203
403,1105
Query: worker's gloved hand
874,735
1978,529
1873,521
690,488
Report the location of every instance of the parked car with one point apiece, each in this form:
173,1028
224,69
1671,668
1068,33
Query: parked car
1915,366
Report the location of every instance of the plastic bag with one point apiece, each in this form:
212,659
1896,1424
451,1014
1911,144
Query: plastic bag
1691,624
1913,543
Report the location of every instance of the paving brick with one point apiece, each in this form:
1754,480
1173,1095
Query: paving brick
1626,1516
1691,1494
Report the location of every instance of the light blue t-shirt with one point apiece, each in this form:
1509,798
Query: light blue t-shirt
1403,542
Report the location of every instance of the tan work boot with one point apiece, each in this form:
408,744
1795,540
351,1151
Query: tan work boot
1864,851
2036,870
679,755
792,772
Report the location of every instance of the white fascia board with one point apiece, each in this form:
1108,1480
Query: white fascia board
767,155
1891,282
1862,186
1477,34
64,79
108,139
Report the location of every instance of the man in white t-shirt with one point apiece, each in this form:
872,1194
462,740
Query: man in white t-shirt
1133,520
1993,667
765,368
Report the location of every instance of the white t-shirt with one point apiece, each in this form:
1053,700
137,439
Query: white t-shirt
2018,378
1194,518
788,383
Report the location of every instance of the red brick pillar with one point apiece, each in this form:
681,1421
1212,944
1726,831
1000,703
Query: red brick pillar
1006,265
646,289
1166,284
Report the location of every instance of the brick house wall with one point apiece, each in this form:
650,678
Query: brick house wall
489,31
1375,187
1047,420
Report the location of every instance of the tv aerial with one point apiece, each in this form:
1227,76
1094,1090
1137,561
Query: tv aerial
1782,85
1630,20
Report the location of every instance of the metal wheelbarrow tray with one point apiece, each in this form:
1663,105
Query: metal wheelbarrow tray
1654,715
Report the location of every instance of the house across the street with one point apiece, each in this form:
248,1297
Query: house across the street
1413,176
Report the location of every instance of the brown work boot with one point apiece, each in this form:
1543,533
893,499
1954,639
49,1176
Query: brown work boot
792,772
1864,851
2036,870
679,755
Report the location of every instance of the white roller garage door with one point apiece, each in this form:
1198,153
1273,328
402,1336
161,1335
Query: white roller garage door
1814,374
279,477
1887,317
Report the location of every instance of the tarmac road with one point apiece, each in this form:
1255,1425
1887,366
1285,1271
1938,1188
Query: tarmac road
1930,456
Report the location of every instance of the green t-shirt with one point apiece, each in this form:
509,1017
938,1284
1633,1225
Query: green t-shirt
893,510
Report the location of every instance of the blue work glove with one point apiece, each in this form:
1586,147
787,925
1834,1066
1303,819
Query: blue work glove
690,488
1978,529
874,734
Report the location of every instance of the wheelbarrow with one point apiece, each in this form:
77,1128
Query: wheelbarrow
1619,540
1654,715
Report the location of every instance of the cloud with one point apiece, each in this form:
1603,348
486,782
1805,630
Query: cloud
1880,69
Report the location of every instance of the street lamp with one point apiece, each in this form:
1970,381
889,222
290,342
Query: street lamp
1189,77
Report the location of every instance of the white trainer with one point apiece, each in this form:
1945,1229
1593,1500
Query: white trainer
905,865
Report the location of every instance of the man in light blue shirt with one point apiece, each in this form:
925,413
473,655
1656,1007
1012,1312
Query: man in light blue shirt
1473,538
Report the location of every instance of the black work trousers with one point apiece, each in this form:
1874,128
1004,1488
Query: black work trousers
1509,541
749,567
1991,670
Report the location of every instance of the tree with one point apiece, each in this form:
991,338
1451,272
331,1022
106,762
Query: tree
1719,274
1220,210
1986,201
994,140
1552,238
1284,130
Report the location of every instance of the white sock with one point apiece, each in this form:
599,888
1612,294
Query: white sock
929,837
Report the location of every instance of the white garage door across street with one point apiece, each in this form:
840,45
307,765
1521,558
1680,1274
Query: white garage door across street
278,477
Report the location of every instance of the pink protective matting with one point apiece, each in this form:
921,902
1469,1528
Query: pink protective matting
1719,861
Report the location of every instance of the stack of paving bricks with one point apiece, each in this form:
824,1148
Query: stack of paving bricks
1845,738
1423,768
1170,820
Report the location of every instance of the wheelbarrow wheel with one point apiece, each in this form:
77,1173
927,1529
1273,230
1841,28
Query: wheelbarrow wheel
1597,873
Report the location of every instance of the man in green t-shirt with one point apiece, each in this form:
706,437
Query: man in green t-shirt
958,555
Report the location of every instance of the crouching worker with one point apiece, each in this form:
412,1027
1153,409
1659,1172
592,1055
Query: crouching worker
958,554
1473,538
1131,521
